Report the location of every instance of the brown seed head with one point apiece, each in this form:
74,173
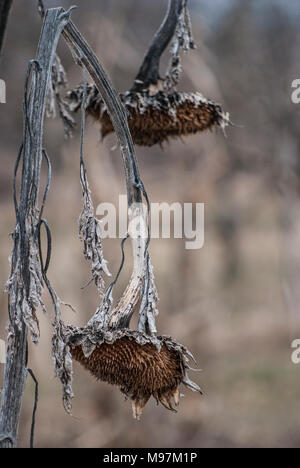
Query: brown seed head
155,118
139,370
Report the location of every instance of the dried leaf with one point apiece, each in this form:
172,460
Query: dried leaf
90,235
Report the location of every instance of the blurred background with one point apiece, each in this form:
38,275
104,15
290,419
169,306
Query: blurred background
235,302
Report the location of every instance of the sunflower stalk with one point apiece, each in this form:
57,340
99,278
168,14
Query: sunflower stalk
25,284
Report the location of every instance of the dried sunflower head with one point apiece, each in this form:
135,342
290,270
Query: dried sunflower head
140,365
155,117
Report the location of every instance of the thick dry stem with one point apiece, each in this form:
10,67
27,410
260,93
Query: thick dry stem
25,266
149,71
121,315
135,189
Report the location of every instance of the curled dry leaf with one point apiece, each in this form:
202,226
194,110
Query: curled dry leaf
63,364
182,39
90,235
23,302
54,99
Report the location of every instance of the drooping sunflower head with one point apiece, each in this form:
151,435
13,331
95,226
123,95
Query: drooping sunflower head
140,365
155,118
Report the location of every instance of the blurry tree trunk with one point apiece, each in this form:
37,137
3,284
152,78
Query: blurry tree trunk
5,6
